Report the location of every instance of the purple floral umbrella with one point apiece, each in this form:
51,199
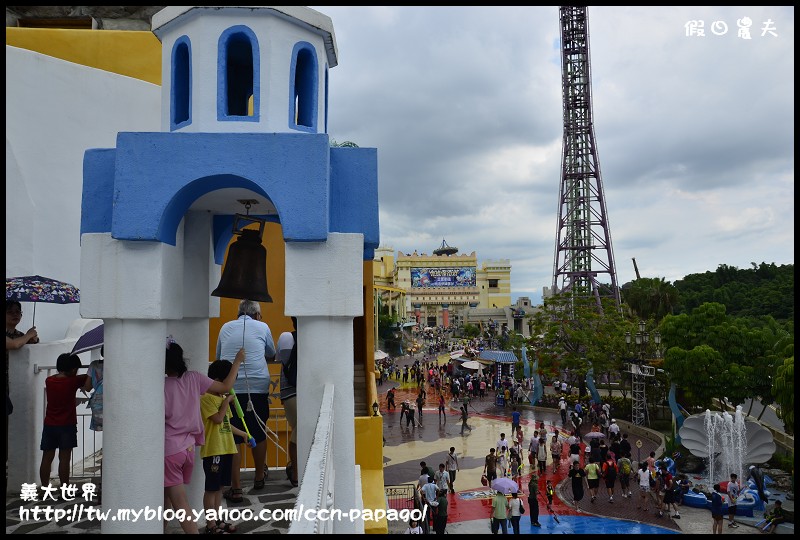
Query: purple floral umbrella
41,289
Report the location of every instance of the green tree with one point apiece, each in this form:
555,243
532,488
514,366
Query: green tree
735,358
783,390
763,290
470,331
569,333
650,298
698,371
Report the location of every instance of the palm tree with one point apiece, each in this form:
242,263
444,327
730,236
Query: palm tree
650,298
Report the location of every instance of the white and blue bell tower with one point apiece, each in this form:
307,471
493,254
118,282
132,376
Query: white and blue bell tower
243,117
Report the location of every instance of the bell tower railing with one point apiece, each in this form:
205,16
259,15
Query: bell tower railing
316,487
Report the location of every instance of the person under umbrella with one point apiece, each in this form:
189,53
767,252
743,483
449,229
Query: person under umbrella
500,511
90,340
41,289
15,339
505,485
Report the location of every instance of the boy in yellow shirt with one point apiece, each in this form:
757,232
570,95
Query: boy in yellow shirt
218,450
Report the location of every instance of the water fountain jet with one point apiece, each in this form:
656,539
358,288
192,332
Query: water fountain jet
728,441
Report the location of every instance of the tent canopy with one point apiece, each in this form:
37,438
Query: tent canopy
472,364
380,355
502,357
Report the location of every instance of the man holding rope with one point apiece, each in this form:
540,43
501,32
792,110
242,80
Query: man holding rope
252,387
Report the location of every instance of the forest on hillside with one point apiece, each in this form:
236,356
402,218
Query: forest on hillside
765,289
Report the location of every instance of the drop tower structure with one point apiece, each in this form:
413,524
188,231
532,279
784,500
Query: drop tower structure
584,258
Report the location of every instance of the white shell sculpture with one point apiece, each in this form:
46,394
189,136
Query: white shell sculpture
728,440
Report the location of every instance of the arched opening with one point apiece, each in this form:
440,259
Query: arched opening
238,75
303,109
181,98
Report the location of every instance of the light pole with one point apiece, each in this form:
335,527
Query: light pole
640,371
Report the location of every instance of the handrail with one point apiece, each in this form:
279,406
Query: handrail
316,486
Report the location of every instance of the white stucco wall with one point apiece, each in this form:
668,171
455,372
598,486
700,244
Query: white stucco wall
55,110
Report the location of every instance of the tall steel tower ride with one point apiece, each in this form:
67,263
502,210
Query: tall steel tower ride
584,258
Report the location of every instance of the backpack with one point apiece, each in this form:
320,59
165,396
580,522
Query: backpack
651,479
609,472
626,468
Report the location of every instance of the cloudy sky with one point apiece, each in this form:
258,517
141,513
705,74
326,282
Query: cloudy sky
695,135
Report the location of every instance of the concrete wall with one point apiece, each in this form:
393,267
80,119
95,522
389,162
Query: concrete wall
55,110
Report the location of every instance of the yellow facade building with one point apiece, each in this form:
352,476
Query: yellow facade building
441,288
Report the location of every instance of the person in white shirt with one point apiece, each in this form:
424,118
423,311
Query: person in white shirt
644,486
613,429
252,386
441,478
452,467
414,528
502,461
429,500
423,479
502,442
734,489
541,455
515,511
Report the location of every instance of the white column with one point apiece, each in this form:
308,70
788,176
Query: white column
135,287
325,355
133,421
192,331
324,290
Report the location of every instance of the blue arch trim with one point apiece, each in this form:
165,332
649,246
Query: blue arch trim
142,189
97,199
326,98
226,39
303,88
177,207
153,168
354,195
181,84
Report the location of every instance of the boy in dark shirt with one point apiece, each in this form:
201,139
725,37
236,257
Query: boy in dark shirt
774,518
60,431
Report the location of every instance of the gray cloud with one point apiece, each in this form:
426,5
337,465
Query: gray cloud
695,135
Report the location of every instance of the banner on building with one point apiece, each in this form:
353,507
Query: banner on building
463,276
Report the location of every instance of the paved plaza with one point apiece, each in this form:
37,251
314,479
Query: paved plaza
469,508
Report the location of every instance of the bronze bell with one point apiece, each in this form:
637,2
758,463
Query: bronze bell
245,274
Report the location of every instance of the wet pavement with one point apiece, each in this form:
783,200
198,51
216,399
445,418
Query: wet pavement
470,507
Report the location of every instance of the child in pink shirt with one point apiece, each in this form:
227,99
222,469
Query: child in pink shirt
184,425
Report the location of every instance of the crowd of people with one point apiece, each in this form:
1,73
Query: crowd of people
198,410
596,464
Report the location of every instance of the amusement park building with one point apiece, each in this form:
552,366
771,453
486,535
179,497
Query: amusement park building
441,289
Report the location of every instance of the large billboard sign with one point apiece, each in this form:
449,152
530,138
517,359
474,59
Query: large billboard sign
463,276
